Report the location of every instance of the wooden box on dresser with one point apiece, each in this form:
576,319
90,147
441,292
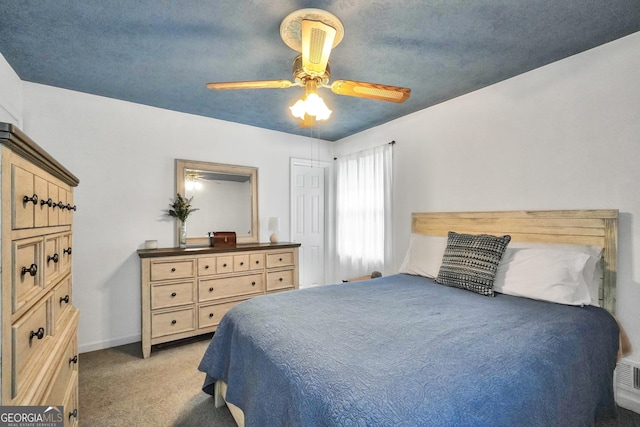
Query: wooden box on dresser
39,323
185,292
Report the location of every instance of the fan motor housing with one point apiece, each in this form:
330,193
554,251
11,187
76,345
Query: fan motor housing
300,75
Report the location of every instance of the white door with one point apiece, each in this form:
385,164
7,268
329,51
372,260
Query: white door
308,222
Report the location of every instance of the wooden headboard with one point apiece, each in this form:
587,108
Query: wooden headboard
585,227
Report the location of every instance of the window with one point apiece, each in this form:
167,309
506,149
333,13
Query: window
363,211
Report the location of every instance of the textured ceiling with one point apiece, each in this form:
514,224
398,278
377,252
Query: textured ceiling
163,52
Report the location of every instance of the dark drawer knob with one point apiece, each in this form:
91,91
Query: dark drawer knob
280,279
64,299
224,265
253,283
67,251
280,259
33,199
53,258
32,270
173,294
173,270
38,334
173,322
210,289
258,262
73,414
73,360
47,202
210,315
206,267
241,263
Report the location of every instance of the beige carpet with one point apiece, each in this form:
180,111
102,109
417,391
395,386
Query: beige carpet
119,388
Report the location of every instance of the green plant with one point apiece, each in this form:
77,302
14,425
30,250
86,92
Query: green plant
181,208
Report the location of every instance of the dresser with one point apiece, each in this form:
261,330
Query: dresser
39,321
185,292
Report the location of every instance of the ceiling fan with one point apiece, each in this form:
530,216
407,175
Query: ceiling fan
313,33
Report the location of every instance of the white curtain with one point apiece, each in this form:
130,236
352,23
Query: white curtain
363,212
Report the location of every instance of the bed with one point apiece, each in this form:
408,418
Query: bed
408,350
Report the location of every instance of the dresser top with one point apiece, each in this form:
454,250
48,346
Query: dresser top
200,250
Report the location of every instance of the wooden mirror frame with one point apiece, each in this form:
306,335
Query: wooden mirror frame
251,172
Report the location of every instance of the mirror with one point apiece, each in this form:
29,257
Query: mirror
226,196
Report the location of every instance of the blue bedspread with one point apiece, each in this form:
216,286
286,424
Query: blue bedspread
404,351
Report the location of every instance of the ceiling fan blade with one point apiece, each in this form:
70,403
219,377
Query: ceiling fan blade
254,84
317,41
371,91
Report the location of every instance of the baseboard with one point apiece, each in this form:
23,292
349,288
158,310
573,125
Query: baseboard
101,345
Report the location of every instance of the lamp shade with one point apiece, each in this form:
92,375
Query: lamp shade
274,223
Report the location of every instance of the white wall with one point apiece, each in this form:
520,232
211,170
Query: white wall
565,136
10,94
123,154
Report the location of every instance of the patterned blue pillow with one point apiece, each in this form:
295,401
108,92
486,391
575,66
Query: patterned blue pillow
471,261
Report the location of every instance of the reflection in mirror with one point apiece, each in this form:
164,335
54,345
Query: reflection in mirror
225,196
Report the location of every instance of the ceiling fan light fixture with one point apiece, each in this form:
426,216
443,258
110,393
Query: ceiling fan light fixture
311,104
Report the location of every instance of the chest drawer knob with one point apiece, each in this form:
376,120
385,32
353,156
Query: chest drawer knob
253,283
210,315
173,322
280,279
33,199
173,294
257,262
173,270
47,202
67,251
53,258
73,360
32,270
224,265
38,334
241,263
211,289
206,267
64,299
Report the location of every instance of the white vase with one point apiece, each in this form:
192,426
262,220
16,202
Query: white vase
182,234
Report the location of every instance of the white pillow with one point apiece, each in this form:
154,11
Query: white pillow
558,273
592,272
424,256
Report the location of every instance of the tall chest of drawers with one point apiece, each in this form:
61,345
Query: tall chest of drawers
39,364
185,292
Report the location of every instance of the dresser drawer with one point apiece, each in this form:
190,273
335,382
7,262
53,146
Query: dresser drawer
30,334
211,314
27,273
241,262
206,266
67,365
173,322
280,259
224,264
172,294
256,261
22,188
61,300
71,404
279,280
212,289
174,269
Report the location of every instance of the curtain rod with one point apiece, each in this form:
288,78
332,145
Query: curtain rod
389,143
